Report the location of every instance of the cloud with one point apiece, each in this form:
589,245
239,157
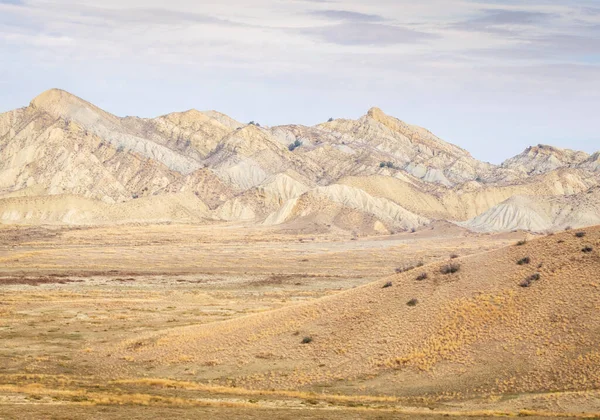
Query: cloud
356,33
345,15
503,20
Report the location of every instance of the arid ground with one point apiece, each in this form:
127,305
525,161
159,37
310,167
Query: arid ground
68,293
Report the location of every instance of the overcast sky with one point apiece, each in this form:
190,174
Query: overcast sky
491,76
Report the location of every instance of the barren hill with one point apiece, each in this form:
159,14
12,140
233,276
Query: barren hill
376,174
522,319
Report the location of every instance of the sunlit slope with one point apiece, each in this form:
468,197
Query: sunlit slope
476,330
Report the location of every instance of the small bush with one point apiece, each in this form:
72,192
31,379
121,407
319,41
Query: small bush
524,261
412,302
293,146
560,241
454,256
388,284
422,276
409,267
307,340
386,165
330,120
580,234
522,242
527,282
450,269
587,249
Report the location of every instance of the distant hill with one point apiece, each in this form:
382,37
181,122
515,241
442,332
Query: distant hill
373,175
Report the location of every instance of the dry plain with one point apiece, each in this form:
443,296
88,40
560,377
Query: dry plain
70,295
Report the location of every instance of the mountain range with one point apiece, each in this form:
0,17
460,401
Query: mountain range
65,161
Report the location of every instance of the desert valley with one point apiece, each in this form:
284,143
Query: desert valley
191,265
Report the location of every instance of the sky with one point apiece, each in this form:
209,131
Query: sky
490,76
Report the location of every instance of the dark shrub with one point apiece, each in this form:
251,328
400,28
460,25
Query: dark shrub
412,302
580,234
527,282
587,249
409,267
330,120
524,261
307,340
454,256
450,268
388,284
294,145
522,242
422,276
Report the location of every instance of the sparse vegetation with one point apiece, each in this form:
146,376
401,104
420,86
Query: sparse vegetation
522,242
412,302
450,268
388,284
524,261
587,249
307,340
409,267
293,146
454,256
580,234
254,123
529,280
330,120
387,165
422,276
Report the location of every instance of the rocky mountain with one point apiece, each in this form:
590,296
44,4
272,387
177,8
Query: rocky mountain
64,160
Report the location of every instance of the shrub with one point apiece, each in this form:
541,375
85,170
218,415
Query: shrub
330,120
422,276
524,261
527,282
388,284
386,165
522,242
294,145
409,267
580,234
450,268
560,241
454,256
307,340
587,249
412,302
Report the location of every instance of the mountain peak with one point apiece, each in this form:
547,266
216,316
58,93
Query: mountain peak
376,113
62,104
52,97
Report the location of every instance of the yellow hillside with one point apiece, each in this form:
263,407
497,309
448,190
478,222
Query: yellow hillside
473,331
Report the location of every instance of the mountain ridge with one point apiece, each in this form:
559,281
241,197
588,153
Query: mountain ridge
61,144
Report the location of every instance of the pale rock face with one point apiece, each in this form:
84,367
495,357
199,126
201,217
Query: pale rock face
541,159
540,214
64,160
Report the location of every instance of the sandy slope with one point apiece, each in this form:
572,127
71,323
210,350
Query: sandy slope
60,209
